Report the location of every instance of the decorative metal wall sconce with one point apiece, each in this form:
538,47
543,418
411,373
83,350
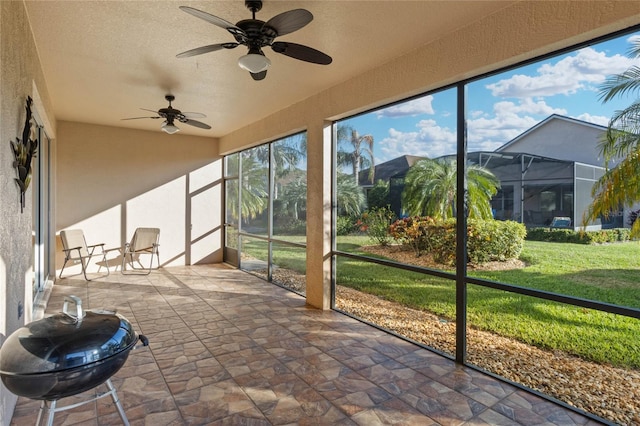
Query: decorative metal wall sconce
23,152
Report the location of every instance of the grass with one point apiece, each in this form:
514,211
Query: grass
607,273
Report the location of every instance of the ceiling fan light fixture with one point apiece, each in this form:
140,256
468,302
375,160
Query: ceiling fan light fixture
254,62
170,128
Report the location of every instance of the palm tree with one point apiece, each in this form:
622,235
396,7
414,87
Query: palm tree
294,197
287,154
254,188
431,189
359,153
349,196
620,186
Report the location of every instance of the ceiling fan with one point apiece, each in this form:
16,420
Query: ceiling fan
171,114
256,34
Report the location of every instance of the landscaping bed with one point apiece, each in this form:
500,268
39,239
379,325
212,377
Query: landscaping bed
611,393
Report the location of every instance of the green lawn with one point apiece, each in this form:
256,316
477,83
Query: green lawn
607,273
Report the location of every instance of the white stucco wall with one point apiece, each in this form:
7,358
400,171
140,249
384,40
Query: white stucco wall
112,180
20,76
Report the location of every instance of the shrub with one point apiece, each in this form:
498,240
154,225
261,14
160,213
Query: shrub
413,232
378,196
443,242
375,223
579,237
291,226
555,235
494,240
345,225
487,240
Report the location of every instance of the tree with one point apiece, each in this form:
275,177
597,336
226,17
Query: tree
378,196
350,197
287,153
294,197
359,153
253,189
620,185
431,189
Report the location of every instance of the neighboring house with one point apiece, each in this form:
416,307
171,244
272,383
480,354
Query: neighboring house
535,189
558,161
392,172
548,171
561,138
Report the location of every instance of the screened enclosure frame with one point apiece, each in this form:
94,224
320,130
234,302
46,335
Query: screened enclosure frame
572,173
242,234
461,278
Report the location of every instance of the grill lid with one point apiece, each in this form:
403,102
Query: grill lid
66,340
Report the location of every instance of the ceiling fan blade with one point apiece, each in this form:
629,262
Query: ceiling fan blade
136,118
194,115
197,124
301,52
259,75
213,20
290,21
206,49
150,110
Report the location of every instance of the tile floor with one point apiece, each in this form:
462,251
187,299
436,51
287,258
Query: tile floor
228,348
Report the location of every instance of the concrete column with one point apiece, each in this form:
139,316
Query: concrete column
319,215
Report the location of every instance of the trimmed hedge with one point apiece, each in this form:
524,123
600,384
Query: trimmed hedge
579,237
487,240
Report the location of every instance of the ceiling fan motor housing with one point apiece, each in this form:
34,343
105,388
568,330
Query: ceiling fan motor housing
253,6
256,33
171,114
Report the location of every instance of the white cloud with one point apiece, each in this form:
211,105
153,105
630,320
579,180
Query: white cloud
587,67
488,132
595,119
430,140
411,108
526,106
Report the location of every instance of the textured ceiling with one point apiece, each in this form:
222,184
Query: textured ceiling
104,60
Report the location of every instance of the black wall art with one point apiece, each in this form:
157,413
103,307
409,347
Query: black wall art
24,150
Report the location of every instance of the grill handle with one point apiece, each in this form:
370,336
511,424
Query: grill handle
79,312
144,340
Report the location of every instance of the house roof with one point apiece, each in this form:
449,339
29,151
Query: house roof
543,123
385,171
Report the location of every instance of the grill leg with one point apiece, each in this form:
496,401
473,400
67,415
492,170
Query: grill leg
40,411
50,406
116,401
51,410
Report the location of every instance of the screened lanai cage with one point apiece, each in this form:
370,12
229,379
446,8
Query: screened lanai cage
535,190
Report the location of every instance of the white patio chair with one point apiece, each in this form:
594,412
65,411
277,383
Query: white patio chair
143,242
76,250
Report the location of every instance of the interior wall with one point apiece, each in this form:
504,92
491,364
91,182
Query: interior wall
112,180
20,75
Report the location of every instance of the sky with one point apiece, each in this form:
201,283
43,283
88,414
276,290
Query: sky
502,106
